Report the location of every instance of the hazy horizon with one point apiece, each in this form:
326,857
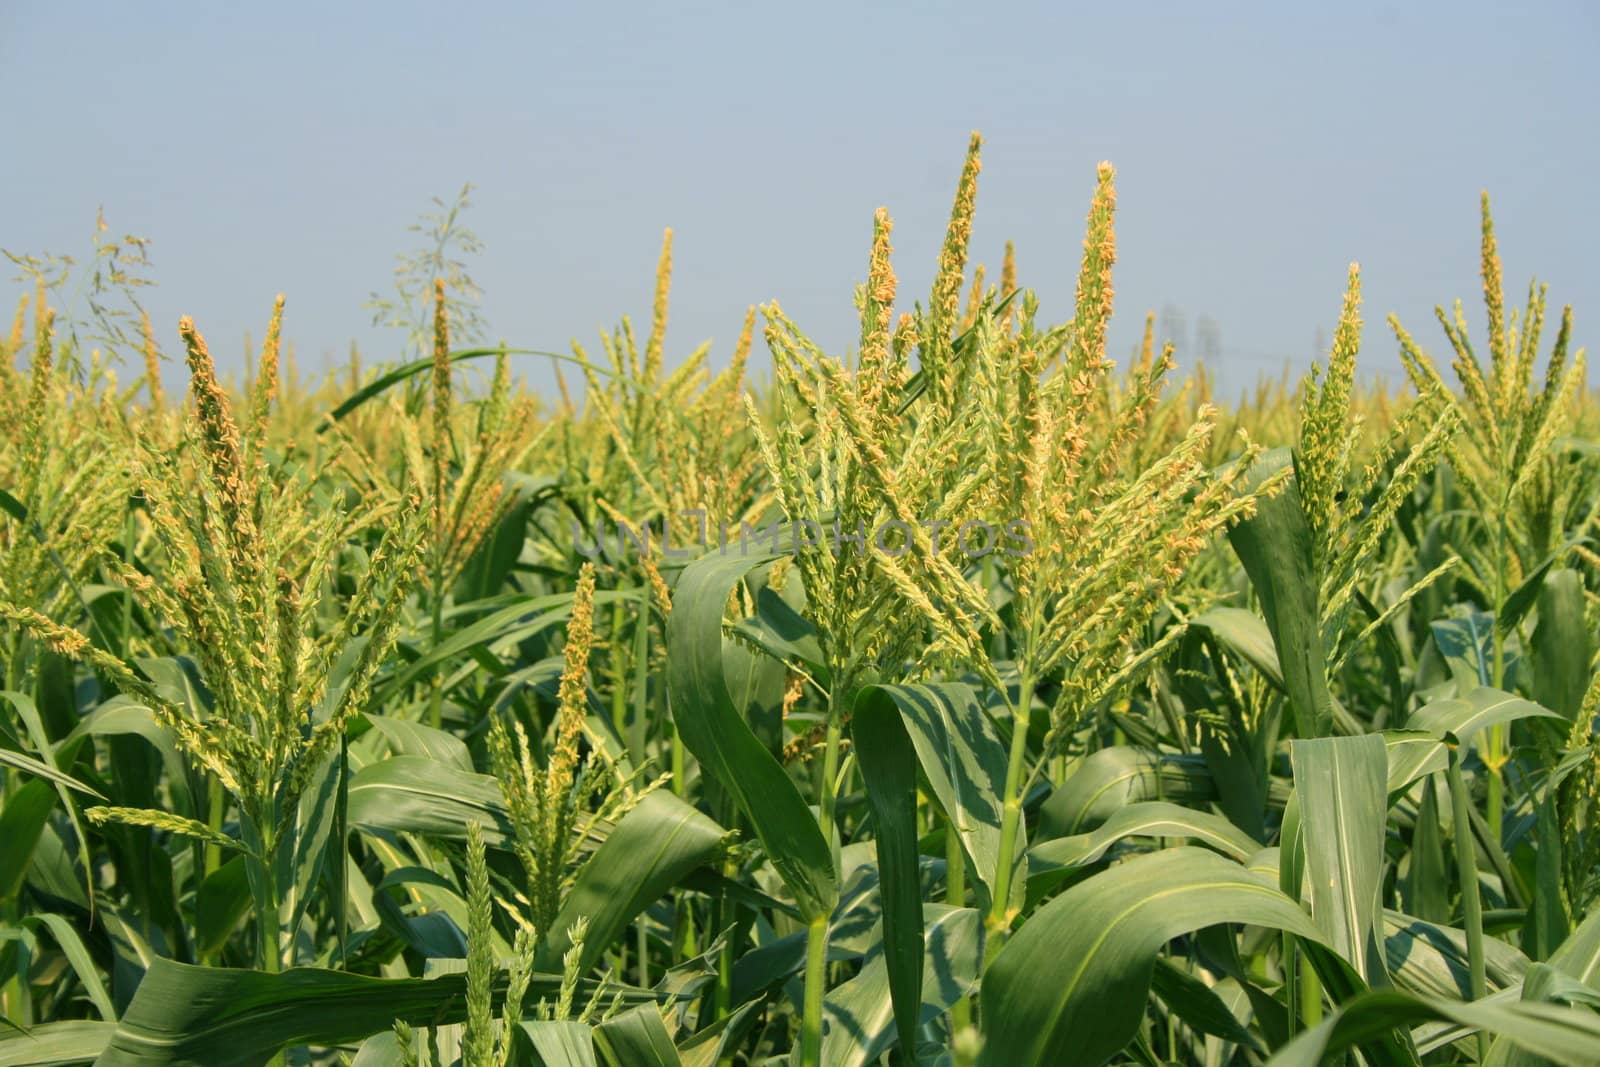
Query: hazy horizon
1259,152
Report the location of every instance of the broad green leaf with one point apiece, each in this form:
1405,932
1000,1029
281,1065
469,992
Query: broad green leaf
187,1016
1548,919
1426,882
1575,964
1476,710
888,764
407,738
50,871
1274,545
944,730
715,1044
379,1050
1579,954
1191,1000
1562,645
223,899
121,716
785,634
714,731
63,1044
1340,782
415,794
636,1038
1238,756
1051,861
525,617
854,929
1430,959
963,761
29,714
1565,1036
1113,778
561,1044
306,838
1422,747
430,916
651,850
1070,986
858,1016
1467,644
1247,635
1544,985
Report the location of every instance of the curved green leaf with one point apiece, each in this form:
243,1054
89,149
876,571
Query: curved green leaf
1566,1036
82,962
525,617
1049,862
64,1044
1247,635
416,794
561,1044
1579,955
390,379
1431,960
186,1016
1070,986
1109,780
407,738
1422,747
28,765
718,736
651,850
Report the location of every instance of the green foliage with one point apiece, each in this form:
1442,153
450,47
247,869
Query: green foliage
393,721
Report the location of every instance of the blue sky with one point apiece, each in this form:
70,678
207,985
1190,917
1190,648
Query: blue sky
1260,149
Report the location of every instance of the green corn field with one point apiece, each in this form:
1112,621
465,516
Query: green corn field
977,696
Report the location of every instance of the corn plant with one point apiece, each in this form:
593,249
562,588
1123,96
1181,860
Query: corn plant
966,697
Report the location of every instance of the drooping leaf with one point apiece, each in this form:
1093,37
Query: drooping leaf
1071,984
63,1044
1565,1036
186,1016
651,850
1115,777
715,732
415,794
1422,747
1050,861
28,765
